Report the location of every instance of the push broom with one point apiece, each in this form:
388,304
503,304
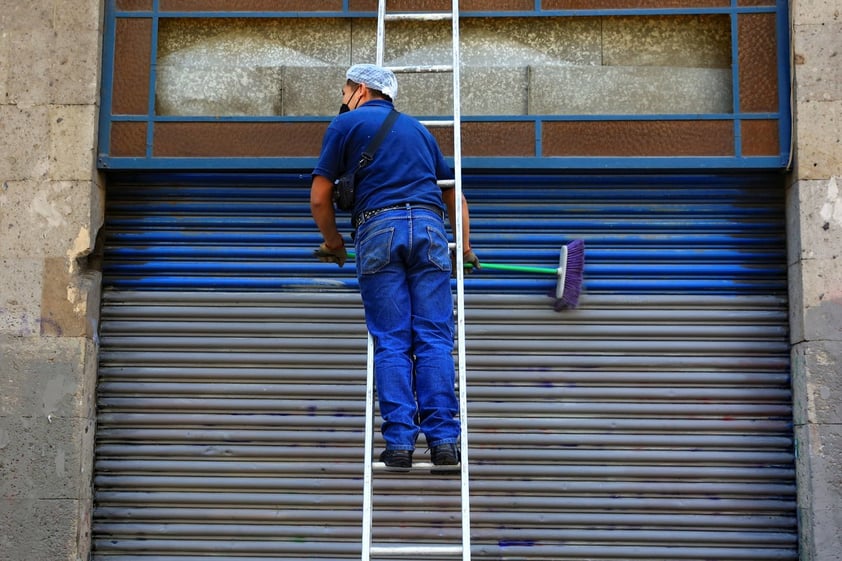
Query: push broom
569,273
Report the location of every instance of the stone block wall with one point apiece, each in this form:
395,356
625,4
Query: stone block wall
815,270
50,212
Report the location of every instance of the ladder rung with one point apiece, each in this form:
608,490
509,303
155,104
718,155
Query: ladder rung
416,466
438,123
432,68
417,550
423,16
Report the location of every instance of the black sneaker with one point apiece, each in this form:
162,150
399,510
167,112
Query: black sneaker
397,459
445,455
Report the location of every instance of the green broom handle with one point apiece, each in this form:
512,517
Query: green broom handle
503,267
518,268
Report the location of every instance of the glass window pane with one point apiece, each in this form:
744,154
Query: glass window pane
510,66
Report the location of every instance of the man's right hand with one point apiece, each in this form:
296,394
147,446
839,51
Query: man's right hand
327,254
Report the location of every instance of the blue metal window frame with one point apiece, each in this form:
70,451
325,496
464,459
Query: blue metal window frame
738,161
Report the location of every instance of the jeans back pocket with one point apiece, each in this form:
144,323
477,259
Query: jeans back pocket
374,250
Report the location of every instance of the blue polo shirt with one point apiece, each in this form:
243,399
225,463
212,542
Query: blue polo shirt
404,169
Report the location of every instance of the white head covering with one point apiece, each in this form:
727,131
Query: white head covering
374,77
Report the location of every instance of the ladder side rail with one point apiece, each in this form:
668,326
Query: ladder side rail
460,284
380,45
368,478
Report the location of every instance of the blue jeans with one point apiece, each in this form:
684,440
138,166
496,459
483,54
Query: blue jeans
403,268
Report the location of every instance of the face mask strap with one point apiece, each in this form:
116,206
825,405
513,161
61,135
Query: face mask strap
344,108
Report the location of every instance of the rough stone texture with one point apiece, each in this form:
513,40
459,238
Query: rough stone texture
816,382
815,260
50,211
48,218
818,87
42,456
813,46
72,142
815,301
818,131
814,225
75,60
816,12
24,142
819,491
20,299
46,447
44,529
53,51
5,45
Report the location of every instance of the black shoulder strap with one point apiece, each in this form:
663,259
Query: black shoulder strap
374,143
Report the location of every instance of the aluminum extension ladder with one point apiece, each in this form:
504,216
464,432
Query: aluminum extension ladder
370,551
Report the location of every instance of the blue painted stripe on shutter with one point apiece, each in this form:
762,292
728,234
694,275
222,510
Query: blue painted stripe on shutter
647,234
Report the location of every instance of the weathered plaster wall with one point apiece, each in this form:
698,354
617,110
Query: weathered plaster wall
50,211
815,266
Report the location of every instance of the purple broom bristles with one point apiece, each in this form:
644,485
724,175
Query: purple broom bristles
571,269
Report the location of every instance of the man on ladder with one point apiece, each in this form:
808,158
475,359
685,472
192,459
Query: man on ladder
403,261
404,270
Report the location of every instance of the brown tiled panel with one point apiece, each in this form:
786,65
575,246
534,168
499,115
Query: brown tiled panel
238,140
638,138
760,138
134,5
631,4
242,140
758,62
756,2
128,139
444,5
498,139
444,138
480,139
251,5
496,5
132,56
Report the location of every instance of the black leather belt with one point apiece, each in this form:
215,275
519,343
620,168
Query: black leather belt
369,214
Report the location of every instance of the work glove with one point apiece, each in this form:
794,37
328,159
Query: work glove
468,257
336,255
471,257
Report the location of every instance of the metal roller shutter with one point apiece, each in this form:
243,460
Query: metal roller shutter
652,423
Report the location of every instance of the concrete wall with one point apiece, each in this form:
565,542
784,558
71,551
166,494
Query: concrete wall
50,211
815,268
